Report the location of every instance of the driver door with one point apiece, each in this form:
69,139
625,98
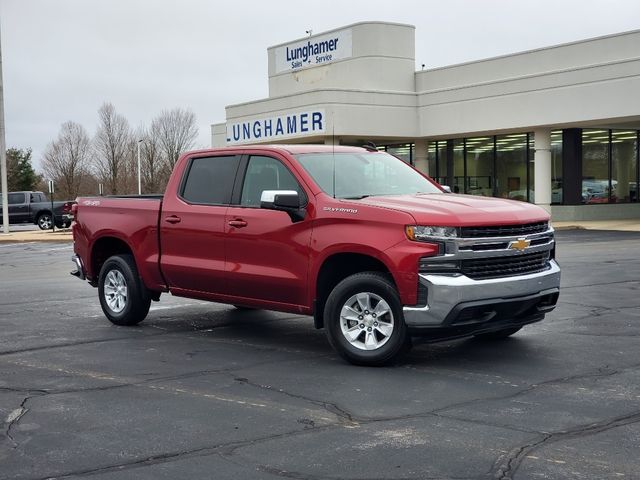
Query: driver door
267,253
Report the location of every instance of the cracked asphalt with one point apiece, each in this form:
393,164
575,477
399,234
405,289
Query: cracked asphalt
201,390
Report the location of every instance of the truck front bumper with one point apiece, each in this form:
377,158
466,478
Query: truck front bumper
459,305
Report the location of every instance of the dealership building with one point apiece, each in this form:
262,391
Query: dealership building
558,126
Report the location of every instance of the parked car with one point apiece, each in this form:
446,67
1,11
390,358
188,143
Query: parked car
597,191
33,207
374,250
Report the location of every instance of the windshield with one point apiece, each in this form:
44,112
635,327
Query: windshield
360,175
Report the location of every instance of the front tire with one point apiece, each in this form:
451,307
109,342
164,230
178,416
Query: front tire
123,297
364,321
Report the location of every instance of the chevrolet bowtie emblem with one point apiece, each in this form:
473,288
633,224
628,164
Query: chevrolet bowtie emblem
520,244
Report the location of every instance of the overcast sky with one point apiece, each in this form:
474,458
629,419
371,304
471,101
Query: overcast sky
63,58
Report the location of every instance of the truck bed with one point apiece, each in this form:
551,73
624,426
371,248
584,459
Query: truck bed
131,218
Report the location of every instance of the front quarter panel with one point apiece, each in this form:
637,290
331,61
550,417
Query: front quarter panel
350,227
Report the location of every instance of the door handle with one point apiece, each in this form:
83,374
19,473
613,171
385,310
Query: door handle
172,219
238,223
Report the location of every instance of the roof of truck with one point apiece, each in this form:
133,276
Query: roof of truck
293,149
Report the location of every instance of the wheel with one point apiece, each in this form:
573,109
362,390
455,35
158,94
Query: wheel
364,321
498,334
44,221
123,297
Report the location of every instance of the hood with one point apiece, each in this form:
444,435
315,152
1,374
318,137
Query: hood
448,209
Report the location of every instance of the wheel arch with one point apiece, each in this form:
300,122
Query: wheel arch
103,248
335,268
40,212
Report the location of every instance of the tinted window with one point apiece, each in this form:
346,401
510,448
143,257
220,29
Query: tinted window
210,180
266,173
15,198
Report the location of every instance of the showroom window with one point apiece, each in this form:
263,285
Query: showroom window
504,165
595,166
404,151
609,166
556,167
511,166
480,163
437,161
624,166
458,166
432,153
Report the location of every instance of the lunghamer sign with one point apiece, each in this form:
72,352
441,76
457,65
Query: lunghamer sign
314,51
275,128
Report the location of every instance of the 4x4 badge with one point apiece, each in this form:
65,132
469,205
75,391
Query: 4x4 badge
520,244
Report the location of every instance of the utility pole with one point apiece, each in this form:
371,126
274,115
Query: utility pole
3,155
139,176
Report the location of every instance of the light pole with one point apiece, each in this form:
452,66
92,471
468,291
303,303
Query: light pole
3,158
139,177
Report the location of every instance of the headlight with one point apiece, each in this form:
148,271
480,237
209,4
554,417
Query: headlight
422,233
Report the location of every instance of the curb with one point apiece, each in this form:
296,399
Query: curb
570,227
20,237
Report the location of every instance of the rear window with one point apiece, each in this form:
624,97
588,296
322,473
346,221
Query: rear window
210,180
15,198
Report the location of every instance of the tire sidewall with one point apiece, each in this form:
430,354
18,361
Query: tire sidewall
359,283
133,291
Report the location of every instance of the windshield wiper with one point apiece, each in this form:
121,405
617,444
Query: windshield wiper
359,197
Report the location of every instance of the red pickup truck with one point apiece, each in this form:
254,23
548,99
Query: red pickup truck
371,248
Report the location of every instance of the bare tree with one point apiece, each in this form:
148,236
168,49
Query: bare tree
112,146
128,182
175,131
66,159
152,162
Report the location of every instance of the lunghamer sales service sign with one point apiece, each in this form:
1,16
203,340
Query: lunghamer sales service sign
314,51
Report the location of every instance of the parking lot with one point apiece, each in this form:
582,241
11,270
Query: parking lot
202,390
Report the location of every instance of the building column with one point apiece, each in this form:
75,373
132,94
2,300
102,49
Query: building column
420,155
542,168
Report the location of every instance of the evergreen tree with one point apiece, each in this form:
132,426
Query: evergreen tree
20,172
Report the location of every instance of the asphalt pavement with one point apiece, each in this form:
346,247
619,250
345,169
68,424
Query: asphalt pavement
201,390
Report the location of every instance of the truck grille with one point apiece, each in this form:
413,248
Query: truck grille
504,230
496,267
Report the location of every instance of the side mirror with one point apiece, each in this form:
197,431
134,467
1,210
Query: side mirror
446,188
285,201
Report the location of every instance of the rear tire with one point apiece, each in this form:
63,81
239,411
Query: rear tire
44,221
498,334
364,321
124,298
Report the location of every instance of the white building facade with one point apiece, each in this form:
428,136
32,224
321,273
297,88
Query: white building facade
557,126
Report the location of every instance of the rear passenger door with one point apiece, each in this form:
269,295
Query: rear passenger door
267,253
192,225
18,207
